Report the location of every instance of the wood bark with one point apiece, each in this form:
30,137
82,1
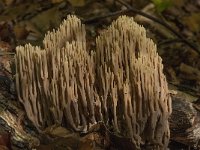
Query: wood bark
184,123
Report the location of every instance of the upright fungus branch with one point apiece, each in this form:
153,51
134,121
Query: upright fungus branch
132,83
120,83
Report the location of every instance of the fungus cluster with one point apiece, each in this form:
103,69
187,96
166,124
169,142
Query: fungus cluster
121,82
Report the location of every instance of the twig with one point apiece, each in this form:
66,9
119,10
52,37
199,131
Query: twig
187,89
170,41
7,53
131,9
160,22
94,19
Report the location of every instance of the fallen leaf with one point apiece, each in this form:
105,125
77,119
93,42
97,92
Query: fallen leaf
190,72
162,5
88,144
77,3
58,131
6,58
56,1
5,143
46,20
8,2
192,22
20,32
179,3
6,33
3,147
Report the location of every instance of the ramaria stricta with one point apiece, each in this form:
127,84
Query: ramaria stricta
120,83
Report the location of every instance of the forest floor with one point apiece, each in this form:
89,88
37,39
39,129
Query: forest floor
173,25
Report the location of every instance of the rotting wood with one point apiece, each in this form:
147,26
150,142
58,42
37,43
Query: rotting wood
11,118
184,122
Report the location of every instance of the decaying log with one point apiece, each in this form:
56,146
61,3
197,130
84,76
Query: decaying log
11,120
185,122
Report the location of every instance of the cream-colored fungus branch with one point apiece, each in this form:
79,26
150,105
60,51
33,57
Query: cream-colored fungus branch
120,83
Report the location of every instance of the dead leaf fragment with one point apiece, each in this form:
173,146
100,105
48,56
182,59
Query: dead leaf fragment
6,60
192,22
191,72
58,131
77,3
20,32
5,143
56,1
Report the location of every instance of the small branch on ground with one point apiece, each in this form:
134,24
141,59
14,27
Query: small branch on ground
170,41
7,53
161,22
96,18
129,7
